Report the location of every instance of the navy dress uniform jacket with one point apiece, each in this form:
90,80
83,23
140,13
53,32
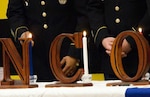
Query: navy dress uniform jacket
109,18
46,19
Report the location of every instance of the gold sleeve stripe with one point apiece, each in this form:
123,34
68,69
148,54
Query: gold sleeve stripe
72,44
103,27
133,29
14,34
21,27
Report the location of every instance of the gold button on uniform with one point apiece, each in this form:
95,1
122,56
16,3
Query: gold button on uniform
117,8
44,14
45,26
117,20
42,2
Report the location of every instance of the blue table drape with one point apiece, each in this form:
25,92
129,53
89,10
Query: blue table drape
137,92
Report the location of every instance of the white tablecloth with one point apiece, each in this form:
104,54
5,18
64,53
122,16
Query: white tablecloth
99,89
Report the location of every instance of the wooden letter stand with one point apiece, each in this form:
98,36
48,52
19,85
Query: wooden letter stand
143,54
21,64
54,54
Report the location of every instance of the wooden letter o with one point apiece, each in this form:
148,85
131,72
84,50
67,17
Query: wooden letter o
116,59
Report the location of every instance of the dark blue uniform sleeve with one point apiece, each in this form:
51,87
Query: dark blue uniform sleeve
16,16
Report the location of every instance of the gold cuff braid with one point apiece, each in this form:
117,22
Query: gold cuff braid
102,27
16,31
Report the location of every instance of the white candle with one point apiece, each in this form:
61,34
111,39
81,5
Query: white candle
85,53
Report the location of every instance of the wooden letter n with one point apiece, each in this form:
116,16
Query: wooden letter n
21,64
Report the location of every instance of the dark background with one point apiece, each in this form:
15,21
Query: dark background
5,33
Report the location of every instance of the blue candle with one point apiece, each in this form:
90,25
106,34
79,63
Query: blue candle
30,59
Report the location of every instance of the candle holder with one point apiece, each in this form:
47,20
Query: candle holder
86,78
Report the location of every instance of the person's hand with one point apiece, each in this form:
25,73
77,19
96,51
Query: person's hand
25,35
126,47
107,44
69,65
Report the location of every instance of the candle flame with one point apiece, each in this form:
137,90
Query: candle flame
84,33
140,29
29,35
